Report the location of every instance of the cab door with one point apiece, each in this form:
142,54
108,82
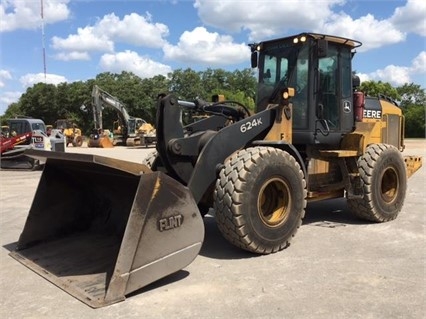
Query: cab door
335,89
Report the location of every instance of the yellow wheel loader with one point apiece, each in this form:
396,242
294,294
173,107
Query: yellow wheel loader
314,136
71,131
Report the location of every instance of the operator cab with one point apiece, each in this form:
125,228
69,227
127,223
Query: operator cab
318,68
19,126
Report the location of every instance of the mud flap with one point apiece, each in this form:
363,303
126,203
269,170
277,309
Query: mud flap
101,228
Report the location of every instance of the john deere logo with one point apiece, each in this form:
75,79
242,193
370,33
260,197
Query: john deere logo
170,222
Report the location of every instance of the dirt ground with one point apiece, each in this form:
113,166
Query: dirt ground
336,267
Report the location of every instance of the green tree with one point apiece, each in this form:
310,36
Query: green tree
71,97
40,101
412,101
413,104
243,83
186,84
373,88
411,94
137,95
149,89
13,110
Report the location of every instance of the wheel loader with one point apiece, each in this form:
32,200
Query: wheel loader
71,131
313,136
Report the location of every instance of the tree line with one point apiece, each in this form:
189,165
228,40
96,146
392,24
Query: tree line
66,100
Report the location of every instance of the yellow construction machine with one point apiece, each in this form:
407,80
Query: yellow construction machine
71,132
147,134
127,130
314,136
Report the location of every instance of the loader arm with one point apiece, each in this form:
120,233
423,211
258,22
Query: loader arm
194,159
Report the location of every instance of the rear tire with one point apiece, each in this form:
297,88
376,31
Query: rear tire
384,178
78,141
260,199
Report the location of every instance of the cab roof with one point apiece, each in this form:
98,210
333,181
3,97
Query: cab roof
331,38
334,38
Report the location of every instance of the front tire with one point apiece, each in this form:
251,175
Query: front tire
260,199
384,179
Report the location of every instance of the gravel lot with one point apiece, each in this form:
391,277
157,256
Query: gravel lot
336,267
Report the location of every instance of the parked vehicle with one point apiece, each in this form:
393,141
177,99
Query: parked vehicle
23,134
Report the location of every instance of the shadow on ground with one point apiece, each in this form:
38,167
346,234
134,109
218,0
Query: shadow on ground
328,213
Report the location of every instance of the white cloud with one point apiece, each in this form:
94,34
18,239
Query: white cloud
371,32
73,55
130,61
207,48
18,14
7,98
86,39
363,77
264,19
419,63
133,29
267,19
411,17
27,80
398,75
4,75
30,79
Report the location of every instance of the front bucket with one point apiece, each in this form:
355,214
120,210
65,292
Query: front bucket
101,228
101,142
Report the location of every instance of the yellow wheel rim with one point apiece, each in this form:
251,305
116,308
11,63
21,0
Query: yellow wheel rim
389,185
274,202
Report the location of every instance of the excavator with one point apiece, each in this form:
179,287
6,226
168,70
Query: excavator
129,130
314,136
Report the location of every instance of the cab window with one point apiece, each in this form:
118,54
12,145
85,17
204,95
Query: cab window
328,67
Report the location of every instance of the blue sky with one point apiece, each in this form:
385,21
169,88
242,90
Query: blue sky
83,38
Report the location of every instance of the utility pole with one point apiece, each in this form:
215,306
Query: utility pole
42,39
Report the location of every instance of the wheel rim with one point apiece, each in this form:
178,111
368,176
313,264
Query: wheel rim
274,202
389,185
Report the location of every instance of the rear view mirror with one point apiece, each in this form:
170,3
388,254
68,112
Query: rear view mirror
254,59
322,48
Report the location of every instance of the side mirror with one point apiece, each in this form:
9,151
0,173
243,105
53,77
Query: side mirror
254,59
356,82
322,48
